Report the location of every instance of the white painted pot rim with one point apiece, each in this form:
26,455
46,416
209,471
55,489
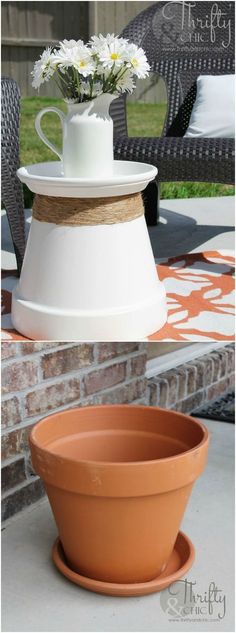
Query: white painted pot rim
91,314
46,323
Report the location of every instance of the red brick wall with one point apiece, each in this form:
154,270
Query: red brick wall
39,378
188,386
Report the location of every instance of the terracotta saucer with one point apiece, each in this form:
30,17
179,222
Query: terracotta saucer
180,562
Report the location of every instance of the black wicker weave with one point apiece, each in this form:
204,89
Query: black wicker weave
164,31
12,193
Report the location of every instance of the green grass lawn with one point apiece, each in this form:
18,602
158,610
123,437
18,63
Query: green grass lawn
143,120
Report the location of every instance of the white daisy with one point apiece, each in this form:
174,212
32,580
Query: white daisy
78,57
84,64
99,41
67,44
43,68
137,61
112,54
125,83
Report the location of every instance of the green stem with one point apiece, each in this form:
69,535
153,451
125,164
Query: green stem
107,81
76,80
57,83
62,79
91,87
122,73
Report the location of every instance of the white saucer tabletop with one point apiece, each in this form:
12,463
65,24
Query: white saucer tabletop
48,179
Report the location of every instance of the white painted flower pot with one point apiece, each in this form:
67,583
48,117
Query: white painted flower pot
88,282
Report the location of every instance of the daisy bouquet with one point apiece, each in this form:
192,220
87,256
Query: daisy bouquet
84,71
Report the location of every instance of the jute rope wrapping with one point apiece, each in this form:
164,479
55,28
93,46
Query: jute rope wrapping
87,211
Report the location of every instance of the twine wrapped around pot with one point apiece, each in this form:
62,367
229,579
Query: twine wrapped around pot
87,211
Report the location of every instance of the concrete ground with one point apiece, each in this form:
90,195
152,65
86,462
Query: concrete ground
193,225
37,598
186,225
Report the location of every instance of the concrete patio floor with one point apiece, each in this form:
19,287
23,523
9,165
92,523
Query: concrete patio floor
37,598
186,225
191,225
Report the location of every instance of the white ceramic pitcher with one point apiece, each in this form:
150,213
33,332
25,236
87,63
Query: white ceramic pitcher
87,138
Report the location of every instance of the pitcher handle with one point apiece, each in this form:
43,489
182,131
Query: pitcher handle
40,131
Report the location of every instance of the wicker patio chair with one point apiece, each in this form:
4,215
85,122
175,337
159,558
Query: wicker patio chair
178,158
12,193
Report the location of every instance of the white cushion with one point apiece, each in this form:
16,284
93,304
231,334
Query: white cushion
213,110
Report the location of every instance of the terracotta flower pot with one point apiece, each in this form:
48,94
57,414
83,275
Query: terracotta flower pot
118,480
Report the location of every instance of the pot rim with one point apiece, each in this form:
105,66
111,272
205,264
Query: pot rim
130,464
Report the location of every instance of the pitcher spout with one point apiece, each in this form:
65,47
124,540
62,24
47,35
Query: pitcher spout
101,105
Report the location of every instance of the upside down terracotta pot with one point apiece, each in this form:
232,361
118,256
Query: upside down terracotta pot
118,480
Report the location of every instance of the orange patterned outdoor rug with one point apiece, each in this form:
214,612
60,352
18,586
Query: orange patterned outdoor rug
200,298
